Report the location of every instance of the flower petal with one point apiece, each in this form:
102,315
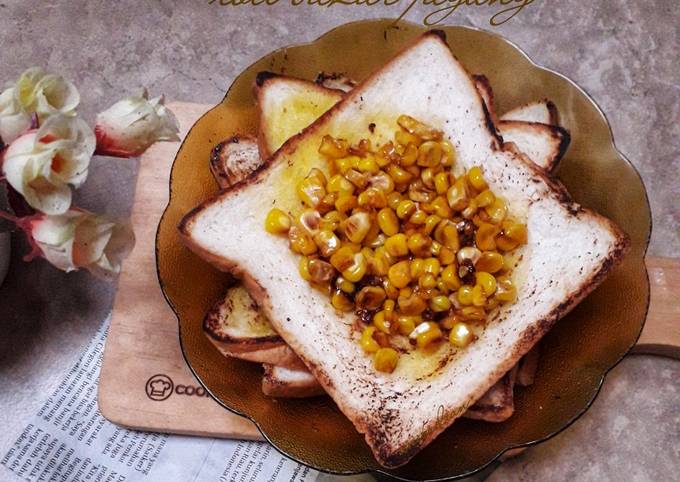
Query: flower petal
130,126
55,236
46,94
13,120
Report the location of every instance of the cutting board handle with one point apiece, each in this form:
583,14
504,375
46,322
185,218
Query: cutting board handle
661,335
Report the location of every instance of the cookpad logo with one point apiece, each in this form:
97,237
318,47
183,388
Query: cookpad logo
159,387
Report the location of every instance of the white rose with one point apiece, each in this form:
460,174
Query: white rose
13,119
80,239
130,126
41,164
46,94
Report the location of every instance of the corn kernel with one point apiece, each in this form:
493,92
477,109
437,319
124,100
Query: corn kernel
405,138
399,175
357,226
373,198
338,183
485,198
490,261
487,282
368,164
345,202
303,268
367,341
370,297
341,302
446,256
331,221
320,271
504,243
397,245
418,128
476,179
357,178
441,207
450,278
344,164
426,334
391,291
473,313
461,335
399,274
388,308
505,289
432,266
440,303
419,244
457,195
441,183
385,360
419,217
327,242
343,258
478,297
410,155
388,221
311,191
300,241
496,211
515,231
357,270
427,177
449,152
465,295
485,237
429,154
344,285
383,182
393,200
333,148
407,324
277,222
427,281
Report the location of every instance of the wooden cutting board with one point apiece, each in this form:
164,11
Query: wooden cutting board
145,383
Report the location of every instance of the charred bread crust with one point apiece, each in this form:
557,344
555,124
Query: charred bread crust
335,81
552,110
484,88
559,135
273,387
228,174
377,428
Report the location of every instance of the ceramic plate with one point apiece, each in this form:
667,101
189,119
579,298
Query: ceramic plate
576,354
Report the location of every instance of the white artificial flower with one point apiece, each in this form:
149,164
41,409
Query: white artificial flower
13,119
34,92
80,239
130,126
46,94
41,164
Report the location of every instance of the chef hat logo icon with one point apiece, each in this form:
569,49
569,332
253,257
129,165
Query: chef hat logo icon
159,387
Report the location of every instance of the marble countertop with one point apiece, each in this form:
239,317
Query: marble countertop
623,53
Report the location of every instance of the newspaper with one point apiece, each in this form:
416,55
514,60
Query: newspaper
69,440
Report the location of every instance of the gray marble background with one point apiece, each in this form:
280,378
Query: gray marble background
624,53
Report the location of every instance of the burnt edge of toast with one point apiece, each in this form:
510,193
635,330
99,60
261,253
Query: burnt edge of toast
559,134
388,456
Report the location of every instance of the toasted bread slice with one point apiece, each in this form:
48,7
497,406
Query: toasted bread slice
402,412
497,404
335,81
233,159
525,127
545,145
281,382
542,111
527,367
287,107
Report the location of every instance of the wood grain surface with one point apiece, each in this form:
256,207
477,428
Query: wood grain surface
145,383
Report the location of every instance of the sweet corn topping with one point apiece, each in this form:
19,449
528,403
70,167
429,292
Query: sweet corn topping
392,234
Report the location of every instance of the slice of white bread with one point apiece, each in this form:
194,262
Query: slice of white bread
544,144
281,382
288,107
497,404
543,111
568,254
233,159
